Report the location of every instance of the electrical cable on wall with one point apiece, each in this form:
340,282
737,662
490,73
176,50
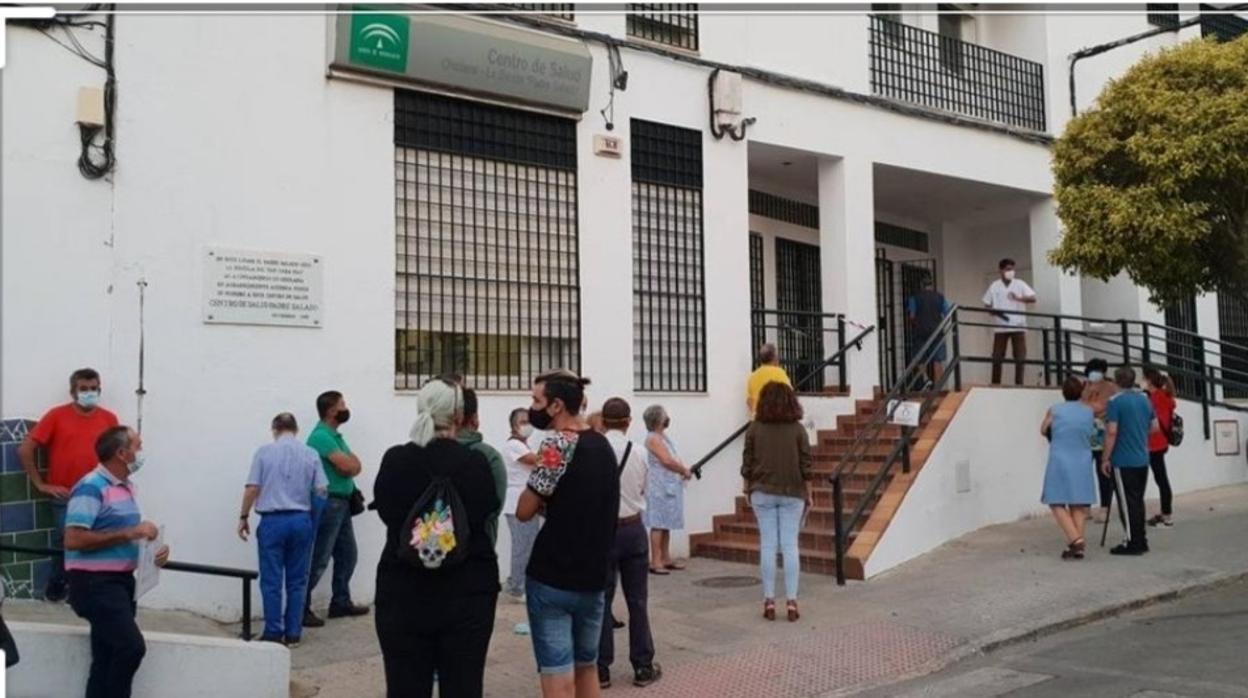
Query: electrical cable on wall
619,81
141,391
94,161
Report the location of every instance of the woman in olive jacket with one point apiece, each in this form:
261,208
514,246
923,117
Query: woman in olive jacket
776,468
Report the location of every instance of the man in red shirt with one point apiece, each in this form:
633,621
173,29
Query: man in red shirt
67,434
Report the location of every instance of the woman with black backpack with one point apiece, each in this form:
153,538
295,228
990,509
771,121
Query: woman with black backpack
437,581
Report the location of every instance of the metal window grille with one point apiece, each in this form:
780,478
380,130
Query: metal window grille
897,236
487,282
1163,14
674,24
1183,351
1223,27
758,296
799,288
1233,328
922,67
782,209
551,10
669,290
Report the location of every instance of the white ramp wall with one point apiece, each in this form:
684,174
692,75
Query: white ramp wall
995,441
55,660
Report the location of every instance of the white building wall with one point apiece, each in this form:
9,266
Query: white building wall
995,441
226,139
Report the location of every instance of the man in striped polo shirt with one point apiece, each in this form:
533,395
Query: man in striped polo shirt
102,533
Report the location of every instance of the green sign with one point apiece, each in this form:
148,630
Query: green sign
380,41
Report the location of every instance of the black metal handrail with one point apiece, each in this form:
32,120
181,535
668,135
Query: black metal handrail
924,67
803,334
247,576
855,343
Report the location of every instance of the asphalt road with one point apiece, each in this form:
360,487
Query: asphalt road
1195,646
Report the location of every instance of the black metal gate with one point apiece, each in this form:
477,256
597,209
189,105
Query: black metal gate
758,296
1184,351
800,335
895,283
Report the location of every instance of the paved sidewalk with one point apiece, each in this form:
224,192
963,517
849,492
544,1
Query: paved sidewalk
994,586
997,585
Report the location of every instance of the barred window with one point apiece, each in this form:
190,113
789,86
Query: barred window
1163,14
669,306
674,24
486,274
550,10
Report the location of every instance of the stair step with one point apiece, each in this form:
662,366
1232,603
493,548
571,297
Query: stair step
814,561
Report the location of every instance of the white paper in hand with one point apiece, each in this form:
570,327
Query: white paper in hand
148,574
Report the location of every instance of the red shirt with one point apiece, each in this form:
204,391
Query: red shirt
1163,405
68,436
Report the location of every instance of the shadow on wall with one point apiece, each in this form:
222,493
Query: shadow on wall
25,518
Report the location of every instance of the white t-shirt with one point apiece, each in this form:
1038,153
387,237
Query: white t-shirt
997,297
517,472
633,479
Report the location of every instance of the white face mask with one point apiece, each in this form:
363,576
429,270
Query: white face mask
525,431
136,464
87,399
1009,274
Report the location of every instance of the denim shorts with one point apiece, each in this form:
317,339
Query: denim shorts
565,626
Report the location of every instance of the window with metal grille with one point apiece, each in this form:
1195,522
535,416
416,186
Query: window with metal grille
674,24
782,209
1163,14
758,297
550,10
1224,26
669,291
897,236
486,276
799,288
1233,331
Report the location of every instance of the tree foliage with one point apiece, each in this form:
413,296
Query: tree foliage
1153,180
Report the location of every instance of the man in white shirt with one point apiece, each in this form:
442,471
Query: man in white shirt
1009,294
630,557
518,460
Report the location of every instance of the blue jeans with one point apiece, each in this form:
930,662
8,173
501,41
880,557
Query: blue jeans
778,521
523,533
565,627
57,540
284,543
334,536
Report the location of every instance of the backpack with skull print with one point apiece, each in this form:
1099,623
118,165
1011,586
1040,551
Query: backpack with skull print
435,534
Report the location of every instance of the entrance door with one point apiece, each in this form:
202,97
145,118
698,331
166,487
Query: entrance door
800,335
1183,350
895,283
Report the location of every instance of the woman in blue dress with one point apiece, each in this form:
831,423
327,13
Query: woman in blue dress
665,490
1069,478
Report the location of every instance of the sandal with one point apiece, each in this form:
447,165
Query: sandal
1075,550
674,566
769,609
791,607
659,570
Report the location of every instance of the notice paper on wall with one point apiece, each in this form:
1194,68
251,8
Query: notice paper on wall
148,573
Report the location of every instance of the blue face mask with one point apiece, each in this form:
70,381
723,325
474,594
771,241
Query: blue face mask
87,399
1095,376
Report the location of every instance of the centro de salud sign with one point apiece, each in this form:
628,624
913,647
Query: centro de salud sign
245,287
464,53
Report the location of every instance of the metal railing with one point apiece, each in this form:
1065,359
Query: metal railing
247,576
1067,343
927,68
853,343
802,338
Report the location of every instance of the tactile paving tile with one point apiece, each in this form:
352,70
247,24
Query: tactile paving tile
810,664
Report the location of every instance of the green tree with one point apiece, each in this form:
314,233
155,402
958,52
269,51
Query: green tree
1153,180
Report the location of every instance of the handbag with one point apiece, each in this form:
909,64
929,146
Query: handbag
355,503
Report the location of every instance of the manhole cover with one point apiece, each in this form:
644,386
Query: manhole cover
730,582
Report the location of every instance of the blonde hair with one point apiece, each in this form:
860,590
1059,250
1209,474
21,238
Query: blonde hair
437,406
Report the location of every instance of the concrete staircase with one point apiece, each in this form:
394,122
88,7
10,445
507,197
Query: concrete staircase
734,536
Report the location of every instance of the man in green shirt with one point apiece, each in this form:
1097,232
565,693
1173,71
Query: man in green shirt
469,434
334,534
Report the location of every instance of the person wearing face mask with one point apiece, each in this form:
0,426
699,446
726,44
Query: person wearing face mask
1096,394
103,528
519,460
67,434
469,434
575,482
335,536
1008,294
